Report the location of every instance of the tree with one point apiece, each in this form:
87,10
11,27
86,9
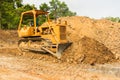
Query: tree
57,9
10,11
6,10
44,7
0,20
6,13
60,9
18,3
114,19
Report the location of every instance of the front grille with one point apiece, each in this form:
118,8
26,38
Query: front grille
62,32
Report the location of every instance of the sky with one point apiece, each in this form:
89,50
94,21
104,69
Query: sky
90,8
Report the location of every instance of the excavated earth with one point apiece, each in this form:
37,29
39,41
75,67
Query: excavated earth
93,55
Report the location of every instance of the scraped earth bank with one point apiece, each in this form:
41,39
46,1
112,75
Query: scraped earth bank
8,38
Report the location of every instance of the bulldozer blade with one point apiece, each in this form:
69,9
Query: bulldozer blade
61,48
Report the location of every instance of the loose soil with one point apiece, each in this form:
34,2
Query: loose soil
93,55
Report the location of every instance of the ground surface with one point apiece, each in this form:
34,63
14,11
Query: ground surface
94,54
16,67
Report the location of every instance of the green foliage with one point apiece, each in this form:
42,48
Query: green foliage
114,19
7,13
18,3
57,9
44,7
42,19
10,11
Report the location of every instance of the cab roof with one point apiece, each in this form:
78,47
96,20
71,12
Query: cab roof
37,12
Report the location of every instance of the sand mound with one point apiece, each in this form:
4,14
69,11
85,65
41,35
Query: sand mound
88,50
102,32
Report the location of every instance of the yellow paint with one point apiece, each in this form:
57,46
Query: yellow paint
49,30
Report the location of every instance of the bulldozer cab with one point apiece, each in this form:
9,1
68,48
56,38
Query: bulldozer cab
29,22
31,17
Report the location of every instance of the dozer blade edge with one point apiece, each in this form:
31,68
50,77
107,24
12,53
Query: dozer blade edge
60,49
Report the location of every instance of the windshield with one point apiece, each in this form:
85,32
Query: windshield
28,20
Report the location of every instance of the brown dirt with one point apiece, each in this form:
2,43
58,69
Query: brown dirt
94,42
23,68
89,51
8,37
96,33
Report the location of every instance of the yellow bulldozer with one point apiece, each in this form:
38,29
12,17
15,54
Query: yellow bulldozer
49,37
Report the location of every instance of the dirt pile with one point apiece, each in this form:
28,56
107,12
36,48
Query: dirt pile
101,42
88,51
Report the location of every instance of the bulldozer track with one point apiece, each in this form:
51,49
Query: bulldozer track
38,39
43,45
